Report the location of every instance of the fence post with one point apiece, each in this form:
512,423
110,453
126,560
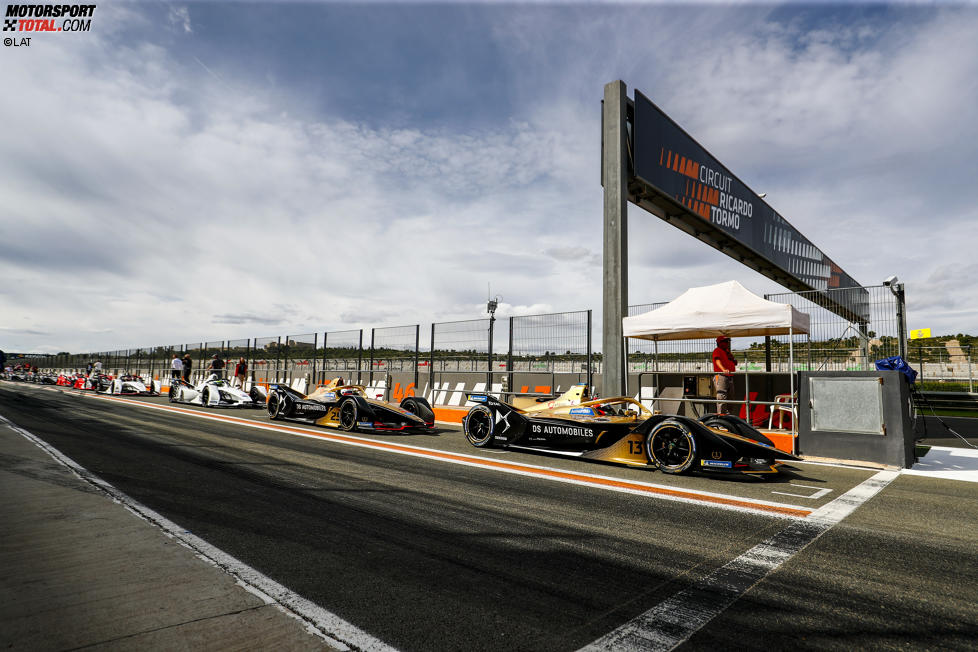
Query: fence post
431,367
325,354
417,354
313,379
286,356
971,387
901,298
920,358
250,357
492,323
278,359
360,359
509,358
373,332
589,388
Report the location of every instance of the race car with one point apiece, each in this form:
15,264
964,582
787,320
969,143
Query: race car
67,380
214,392
347,407
624,431
97,382
131,384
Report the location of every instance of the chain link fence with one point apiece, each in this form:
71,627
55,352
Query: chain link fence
265,360
461,350
393,349
343,355
299,357
460,346
949,366
537,353
547,351
835,343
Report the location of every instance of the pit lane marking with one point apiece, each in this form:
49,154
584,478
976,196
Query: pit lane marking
819,492
664,492
673,621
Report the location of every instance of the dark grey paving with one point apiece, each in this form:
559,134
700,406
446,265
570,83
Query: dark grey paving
80,571
898,574
426,555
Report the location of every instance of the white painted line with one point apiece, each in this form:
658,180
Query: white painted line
819,492
664,492
320,622
947,463
673,621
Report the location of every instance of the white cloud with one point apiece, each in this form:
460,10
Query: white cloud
227,208
180,18
145,192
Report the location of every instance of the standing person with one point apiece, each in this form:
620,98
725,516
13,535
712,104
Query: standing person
176,367
188,363
240,372
97,368
724,366
88,369
217,366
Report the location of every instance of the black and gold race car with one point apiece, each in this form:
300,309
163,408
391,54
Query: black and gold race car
347,407
623,430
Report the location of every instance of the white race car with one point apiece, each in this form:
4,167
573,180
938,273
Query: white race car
131,384
215,392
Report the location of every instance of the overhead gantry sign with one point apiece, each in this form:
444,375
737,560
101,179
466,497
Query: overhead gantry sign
665,171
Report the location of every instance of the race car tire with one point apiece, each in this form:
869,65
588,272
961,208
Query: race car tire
729,423
205,396
671,446
348,415
274,405
479,425
419,408
173,393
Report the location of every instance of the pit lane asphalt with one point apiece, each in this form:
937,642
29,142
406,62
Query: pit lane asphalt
427,555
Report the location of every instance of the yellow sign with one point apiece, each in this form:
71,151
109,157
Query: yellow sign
920,333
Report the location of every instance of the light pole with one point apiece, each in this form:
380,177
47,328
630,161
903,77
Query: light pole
491,309
893,283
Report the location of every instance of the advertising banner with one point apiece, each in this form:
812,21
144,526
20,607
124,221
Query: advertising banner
677,167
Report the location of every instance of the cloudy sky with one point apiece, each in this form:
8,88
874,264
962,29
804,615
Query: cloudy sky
206,171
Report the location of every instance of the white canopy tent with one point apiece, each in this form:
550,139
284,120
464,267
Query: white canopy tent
723,309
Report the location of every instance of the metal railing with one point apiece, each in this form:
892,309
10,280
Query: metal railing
555,344
757,412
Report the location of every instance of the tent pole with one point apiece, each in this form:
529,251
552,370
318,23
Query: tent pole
624,357
655,367
747,416
791,375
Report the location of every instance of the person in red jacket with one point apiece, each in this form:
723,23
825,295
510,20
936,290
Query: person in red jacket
240,373
724,366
